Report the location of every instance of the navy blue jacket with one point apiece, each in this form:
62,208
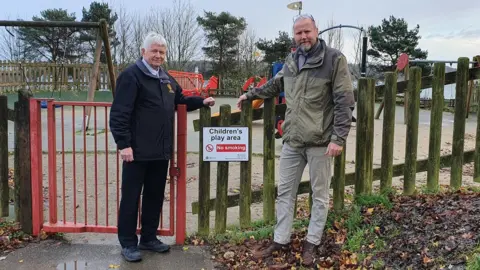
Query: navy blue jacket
143,112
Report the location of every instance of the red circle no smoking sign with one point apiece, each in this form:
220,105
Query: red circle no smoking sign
209,148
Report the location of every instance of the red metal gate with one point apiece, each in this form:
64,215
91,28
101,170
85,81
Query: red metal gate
81,189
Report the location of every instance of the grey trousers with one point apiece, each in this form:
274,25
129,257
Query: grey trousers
292,165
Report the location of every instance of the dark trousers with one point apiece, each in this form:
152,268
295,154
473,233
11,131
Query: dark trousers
152,176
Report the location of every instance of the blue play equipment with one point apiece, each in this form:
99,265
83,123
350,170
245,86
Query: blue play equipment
276,67
43,104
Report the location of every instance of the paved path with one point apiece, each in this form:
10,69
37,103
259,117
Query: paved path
63,256
73,138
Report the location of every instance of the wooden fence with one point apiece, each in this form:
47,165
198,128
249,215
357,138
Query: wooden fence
364,175
21,190
67,77
50,76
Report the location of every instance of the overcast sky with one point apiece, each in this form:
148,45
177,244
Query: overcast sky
449,29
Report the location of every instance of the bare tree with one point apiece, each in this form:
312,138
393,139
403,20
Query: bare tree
179,26
357,40
123,27
138,30
249,55
11,46
357,54
334,37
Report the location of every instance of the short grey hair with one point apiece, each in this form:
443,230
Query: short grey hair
304,16
153,38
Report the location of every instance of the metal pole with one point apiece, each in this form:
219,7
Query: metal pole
363,70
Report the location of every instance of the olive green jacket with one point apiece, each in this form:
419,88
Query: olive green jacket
319,97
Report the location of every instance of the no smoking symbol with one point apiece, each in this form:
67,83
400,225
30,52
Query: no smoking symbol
209,148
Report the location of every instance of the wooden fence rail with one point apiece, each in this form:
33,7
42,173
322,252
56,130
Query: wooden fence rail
50,76
71,77
364,173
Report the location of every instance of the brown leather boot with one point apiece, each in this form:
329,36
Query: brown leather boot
274,247
307,253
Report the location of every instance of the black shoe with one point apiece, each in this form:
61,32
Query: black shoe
131,254
155,245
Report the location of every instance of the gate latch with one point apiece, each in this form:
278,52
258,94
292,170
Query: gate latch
175,171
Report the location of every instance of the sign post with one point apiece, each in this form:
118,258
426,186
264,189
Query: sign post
225,144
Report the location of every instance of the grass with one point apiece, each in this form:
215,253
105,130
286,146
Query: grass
352,217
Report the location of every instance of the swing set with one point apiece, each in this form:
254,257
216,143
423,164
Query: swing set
102,39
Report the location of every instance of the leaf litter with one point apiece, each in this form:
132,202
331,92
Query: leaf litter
418,232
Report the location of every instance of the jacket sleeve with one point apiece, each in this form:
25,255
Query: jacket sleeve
271,89
122,108
343,100
193,103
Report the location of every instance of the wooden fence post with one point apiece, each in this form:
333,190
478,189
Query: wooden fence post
269,160
459,122
23,183
388,135
406,73
365,136
338,181
476,173
222,179
411,144
246,168
436,115
4,189
204,178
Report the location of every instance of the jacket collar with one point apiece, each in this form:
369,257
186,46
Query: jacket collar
162,75
315,57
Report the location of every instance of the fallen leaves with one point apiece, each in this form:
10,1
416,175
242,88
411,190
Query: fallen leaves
12,237
418,232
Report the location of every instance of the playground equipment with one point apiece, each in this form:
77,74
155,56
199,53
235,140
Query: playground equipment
276,67
193,83
249,83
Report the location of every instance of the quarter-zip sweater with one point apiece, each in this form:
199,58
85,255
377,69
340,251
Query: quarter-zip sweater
143,112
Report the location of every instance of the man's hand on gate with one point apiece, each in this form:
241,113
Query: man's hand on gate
209,101
127,154
239,101
334,150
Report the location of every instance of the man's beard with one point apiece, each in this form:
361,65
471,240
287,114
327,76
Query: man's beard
306,47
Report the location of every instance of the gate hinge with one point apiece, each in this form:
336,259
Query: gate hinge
175,171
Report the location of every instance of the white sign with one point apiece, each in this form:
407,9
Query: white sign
225,144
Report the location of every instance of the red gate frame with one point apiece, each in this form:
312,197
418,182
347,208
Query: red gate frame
178,170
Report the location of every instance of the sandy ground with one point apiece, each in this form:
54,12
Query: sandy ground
109,182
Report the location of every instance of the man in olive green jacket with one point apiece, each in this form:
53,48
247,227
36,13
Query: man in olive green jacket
319,99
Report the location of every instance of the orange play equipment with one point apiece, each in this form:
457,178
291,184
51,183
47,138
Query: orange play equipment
193,83
256,103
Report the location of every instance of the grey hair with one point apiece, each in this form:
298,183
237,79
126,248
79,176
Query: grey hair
153,38
304,16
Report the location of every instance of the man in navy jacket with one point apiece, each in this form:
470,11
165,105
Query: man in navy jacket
141,122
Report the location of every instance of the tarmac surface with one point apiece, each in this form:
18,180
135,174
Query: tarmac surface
57,255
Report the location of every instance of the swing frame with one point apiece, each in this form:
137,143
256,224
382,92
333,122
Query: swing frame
102,39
